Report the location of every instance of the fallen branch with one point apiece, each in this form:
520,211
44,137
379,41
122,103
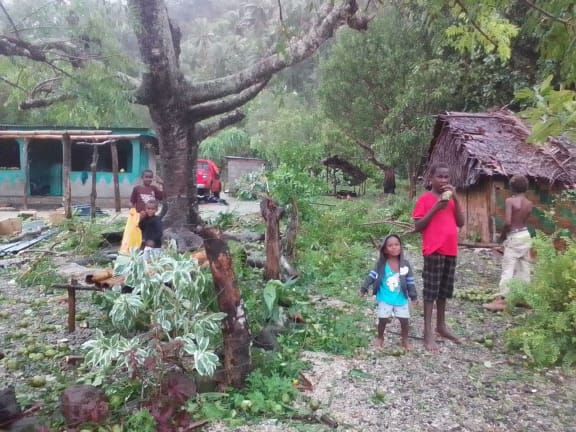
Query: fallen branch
480,245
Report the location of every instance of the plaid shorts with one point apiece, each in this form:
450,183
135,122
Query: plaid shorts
438,277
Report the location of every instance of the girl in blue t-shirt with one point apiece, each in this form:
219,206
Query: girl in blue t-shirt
393,285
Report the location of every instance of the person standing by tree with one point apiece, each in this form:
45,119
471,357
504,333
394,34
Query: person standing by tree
438,215
145,192
516,261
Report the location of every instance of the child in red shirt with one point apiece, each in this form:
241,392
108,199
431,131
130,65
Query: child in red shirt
145,192
437,215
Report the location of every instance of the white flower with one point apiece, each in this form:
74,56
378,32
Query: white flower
404,271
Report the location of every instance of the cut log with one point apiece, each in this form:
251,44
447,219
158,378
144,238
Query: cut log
236,334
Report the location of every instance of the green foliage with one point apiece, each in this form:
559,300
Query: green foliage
252,186
92,80
84,235
169,291
381,87
141,421
546,334
225,220
41,272
290,186
551,112
229,142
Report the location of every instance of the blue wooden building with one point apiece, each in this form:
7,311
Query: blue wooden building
32,163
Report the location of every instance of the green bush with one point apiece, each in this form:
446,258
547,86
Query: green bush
547,333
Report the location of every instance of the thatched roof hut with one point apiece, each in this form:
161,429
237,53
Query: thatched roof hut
483,150
478,145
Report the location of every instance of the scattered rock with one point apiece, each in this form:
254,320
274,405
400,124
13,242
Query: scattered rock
83,404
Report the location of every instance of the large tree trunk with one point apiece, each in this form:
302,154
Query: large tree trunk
235,329
179,152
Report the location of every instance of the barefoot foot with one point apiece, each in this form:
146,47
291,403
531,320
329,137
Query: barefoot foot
379,343
406,345
446,334
430,343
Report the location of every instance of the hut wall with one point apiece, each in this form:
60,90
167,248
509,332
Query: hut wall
237,167
476,205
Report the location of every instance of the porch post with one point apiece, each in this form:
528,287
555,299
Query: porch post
114,151
66,165
26,167
93,194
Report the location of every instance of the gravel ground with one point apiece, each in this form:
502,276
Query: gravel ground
461,388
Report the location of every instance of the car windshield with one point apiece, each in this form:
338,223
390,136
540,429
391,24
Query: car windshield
202,166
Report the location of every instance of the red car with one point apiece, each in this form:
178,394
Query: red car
208,178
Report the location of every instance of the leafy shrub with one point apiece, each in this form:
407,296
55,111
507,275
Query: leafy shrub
547,333
42,272
252,186
169,292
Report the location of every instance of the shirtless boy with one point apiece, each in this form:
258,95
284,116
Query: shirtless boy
517,241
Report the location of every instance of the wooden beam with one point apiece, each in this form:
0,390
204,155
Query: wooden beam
66,168
58,137
114,151
93,166
53,132
26,167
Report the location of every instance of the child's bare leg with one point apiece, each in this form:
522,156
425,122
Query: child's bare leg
441,327
381,329
404,326
429,342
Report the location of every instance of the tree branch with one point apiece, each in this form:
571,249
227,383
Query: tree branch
45,102
210,109
10,46
546,13
474,23
12,83
204,130
368,150
329,19
9,19
158,45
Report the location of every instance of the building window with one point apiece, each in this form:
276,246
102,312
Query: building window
9,155
82,157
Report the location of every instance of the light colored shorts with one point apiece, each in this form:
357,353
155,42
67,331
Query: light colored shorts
385,310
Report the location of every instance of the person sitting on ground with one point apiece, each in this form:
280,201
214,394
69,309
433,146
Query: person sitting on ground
151,227
516,262
393,286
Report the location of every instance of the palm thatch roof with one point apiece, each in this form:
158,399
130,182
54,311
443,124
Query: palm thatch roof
354,174
476,145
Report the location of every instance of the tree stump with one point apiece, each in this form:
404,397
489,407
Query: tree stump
271,213
235,329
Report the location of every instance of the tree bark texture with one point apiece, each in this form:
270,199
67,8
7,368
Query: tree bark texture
289,241
235,329
271,213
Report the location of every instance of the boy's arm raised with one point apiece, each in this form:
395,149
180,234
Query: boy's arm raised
421,223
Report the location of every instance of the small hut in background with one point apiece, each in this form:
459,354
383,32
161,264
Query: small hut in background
483,151
237,167
353,175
